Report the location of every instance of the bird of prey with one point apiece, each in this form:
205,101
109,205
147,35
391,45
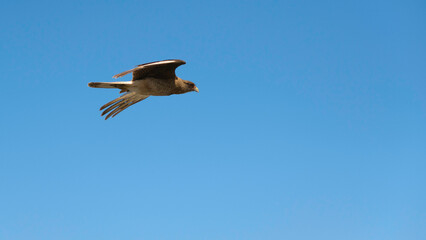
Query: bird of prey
149,79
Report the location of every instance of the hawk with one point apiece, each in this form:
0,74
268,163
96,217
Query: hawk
149,79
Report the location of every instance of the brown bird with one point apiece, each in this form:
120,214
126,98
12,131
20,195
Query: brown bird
149,79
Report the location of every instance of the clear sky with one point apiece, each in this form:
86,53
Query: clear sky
310,122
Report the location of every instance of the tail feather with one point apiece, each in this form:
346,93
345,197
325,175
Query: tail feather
120,85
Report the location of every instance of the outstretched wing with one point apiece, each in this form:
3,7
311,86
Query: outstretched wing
119,104
160,70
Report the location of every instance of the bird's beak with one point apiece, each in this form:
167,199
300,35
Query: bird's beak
196,89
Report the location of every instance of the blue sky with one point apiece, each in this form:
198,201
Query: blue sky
309,124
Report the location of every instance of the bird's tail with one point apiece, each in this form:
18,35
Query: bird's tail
120,85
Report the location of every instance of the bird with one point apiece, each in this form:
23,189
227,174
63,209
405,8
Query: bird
149,79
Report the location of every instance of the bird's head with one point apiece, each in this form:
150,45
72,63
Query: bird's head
190,86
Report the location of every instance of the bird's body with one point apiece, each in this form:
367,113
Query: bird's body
150,79
158,87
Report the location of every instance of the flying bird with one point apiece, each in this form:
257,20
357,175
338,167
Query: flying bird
149,79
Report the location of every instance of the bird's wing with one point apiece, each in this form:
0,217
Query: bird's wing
119,104
161,70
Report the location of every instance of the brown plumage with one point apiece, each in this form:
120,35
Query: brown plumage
149,79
